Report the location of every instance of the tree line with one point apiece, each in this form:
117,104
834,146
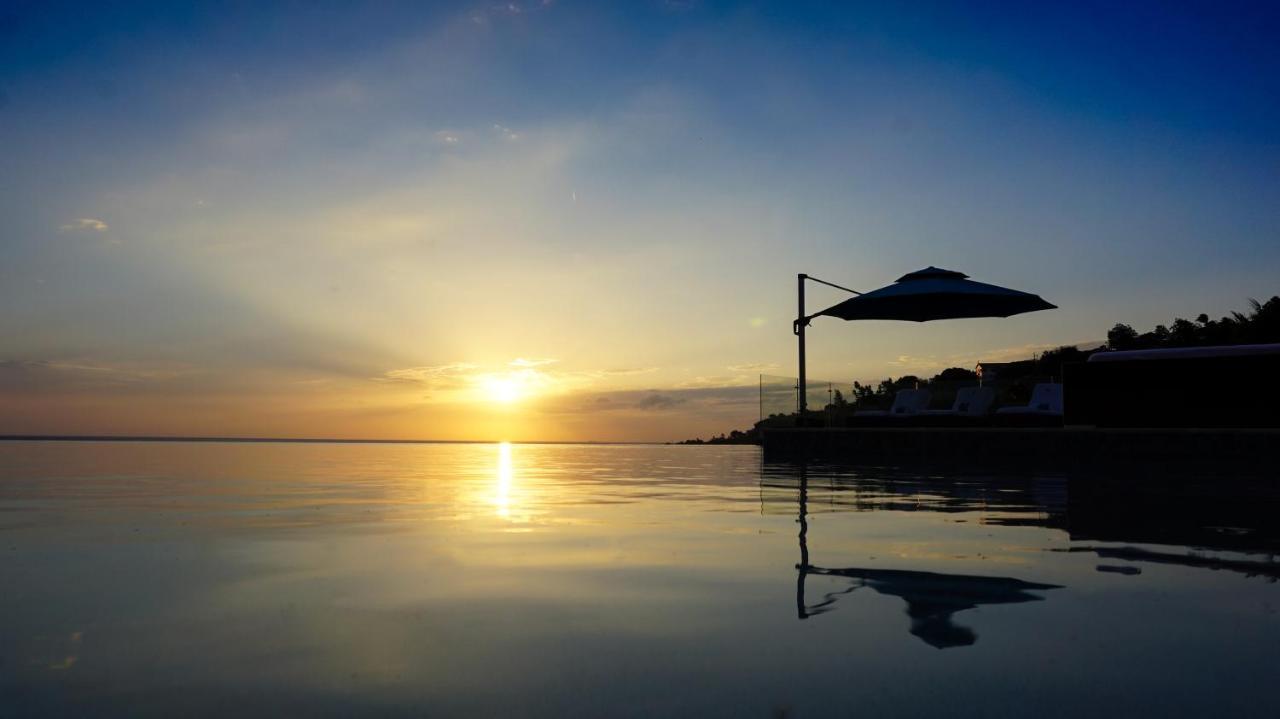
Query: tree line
1260,325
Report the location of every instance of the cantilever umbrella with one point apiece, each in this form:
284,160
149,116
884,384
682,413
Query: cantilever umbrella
936,294
921,296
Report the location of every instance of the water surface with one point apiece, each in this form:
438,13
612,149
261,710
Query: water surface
161,579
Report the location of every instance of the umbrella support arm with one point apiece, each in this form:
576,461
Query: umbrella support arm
797,327
829,284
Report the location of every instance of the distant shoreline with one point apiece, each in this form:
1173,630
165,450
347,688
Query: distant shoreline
283,440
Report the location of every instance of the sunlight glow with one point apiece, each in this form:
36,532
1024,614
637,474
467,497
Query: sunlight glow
502,492
503,389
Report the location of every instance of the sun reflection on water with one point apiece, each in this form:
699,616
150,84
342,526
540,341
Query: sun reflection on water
506,473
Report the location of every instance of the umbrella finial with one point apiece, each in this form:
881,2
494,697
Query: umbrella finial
933,273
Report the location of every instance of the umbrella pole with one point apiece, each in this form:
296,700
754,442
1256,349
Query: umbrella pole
801,389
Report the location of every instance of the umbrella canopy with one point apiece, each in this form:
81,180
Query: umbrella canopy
936,294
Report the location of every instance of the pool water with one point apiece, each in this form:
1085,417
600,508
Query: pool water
256,579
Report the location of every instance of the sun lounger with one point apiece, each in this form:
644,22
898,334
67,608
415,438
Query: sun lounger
1046,400
906,403
970,402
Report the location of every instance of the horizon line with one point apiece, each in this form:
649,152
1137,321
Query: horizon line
290,440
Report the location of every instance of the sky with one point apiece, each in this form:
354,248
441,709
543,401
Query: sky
574,220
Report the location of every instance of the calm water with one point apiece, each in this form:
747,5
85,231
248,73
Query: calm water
162,579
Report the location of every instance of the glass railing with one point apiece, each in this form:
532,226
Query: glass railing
834,404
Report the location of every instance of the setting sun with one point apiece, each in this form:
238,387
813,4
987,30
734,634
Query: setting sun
503,389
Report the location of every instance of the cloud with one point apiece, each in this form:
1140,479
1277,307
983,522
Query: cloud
753,367
428,373
84,224
506,133
86,374
691,401
705,382
526,362
1027,351
626,371
913,361
496,11
935,363
447,137
658,401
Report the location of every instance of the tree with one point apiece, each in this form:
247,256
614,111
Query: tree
1183,333
956,374
1122,337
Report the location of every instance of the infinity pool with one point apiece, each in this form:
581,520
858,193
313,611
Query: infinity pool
250,579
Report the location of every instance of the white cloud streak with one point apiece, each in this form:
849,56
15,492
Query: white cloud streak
84,224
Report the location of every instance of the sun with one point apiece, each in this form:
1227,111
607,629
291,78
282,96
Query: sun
503,389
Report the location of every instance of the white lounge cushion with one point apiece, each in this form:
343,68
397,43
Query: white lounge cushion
1046,399
906,403
970,402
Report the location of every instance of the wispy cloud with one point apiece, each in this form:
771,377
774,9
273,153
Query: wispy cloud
702,381
532,371
626,371
532,362
659,401
935,363
1027,351
86,374
699,400
427,373
84,224
506,133
447,137
483,14
919,362
753,367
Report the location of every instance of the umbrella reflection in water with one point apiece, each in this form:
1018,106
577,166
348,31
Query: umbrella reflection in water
1224,523
932,597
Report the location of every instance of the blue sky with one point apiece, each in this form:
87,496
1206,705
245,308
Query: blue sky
333,219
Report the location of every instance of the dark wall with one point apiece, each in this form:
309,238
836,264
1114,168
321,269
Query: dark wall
1199,392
